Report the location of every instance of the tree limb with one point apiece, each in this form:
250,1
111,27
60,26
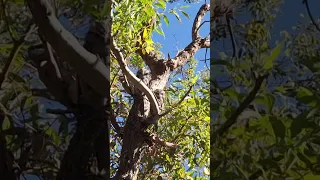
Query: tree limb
156,139
133,79
90,67
149,58
310,15
196,44
197,21
233,40
178,103
233,118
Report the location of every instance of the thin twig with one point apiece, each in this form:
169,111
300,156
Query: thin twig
178,103
233,40
233,118
53,61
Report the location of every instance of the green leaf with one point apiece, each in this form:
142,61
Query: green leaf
269,101
166,20
194,80
145,33
161,4
302,91
55,136
19,2
279,128
160,31
6,124
168,158
232,93
311,176
185,14
15,77
269,60
299,123
305,160
177,16
306,96
184,7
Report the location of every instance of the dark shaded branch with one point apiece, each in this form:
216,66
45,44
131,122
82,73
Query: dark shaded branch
233,118
90,68
114,122
56,87
6,158
233,40
310,15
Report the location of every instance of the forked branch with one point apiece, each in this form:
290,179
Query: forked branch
196,44
90,68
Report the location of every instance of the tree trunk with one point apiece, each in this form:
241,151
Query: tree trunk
92,134
133,143
135,135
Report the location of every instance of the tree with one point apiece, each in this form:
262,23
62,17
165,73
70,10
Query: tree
138,53
265,98
46,62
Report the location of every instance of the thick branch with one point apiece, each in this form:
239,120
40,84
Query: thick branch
156,139
150,57
196,44
188,52
134,80
90,67
197,21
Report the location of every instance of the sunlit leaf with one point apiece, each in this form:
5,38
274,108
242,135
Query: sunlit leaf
166,20
269,60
